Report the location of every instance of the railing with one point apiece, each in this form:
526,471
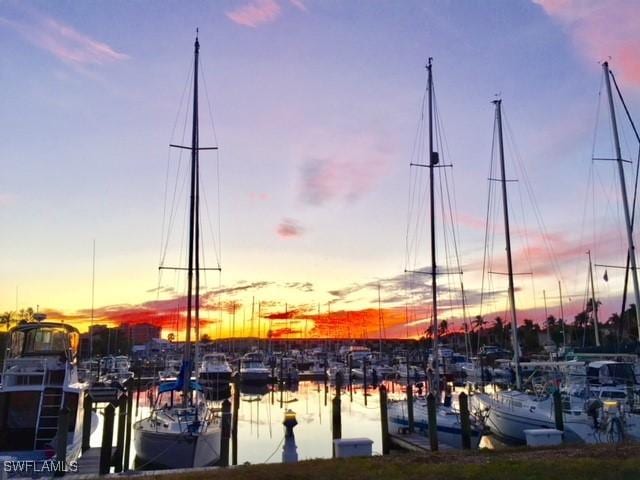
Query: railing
23,370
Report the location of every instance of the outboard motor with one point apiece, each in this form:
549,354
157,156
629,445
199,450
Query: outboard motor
592,408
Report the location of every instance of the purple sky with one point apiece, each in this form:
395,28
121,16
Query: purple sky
316,105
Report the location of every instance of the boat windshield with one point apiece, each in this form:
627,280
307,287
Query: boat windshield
42,341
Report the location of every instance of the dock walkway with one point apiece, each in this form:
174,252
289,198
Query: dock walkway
414,442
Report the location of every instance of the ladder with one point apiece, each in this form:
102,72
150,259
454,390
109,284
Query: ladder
47,425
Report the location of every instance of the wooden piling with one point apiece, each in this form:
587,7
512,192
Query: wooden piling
87,404
410,418
61,439
350,366
465,422
281,381
234,430
364,375
122,420
386,444
138,387
107,440
433,426
127,442
557,410
336,413
226,433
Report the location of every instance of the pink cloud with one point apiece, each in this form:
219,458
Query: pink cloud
601,30
259,196
6,199
289,228
62,41
299,4
256,12
348,174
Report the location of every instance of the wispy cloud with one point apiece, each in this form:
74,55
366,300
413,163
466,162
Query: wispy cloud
289,228
601,30
261,12
255,13
299,4
61,40
345,175
6,199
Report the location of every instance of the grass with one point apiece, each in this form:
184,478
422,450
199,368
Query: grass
565,463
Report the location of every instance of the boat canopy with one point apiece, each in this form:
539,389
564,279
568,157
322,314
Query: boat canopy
177,385
43,338
185,372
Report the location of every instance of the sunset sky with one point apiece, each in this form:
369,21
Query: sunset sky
315,105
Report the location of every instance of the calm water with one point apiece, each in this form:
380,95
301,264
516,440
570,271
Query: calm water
260,417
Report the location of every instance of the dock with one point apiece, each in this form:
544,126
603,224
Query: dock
88,463
414,442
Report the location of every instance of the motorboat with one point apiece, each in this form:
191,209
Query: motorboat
39,378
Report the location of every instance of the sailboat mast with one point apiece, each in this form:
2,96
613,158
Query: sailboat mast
564,338
433,161
379,322
507,232
623,191
594,302
192,230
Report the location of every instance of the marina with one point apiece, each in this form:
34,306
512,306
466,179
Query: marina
379,248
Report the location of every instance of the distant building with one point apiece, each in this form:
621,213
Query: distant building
140,333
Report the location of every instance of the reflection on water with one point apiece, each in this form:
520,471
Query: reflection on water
261,433
261,412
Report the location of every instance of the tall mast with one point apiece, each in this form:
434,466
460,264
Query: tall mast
564,338
594,302
433,161
546,315
623,192
507,232
379,322
193,231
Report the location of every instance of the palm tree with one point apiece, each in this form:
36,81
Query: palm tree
498,328
443,328
6,319
478,322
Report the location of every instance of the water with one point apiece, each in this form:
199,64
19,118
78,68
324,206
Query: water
261,413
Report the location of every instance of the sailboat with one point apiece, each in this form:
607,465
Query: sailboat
511,412
448,419
183,432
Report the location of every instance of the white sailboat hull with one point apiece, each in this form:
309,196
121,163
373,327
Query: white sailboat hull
508,422
176,450
447,421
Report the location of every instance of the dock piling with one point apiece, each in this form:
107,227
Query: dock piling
61,437
336,413
433,427
557,409
384,420
107,440
129,385
234,430
364,379
410,406
226,433
87,404
465,423
122,420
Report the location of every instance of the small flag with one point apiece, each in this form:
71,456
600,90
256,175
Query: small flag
605,277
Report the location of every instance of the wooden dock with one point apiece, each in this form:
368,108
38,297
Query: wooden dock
89,462
413,442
